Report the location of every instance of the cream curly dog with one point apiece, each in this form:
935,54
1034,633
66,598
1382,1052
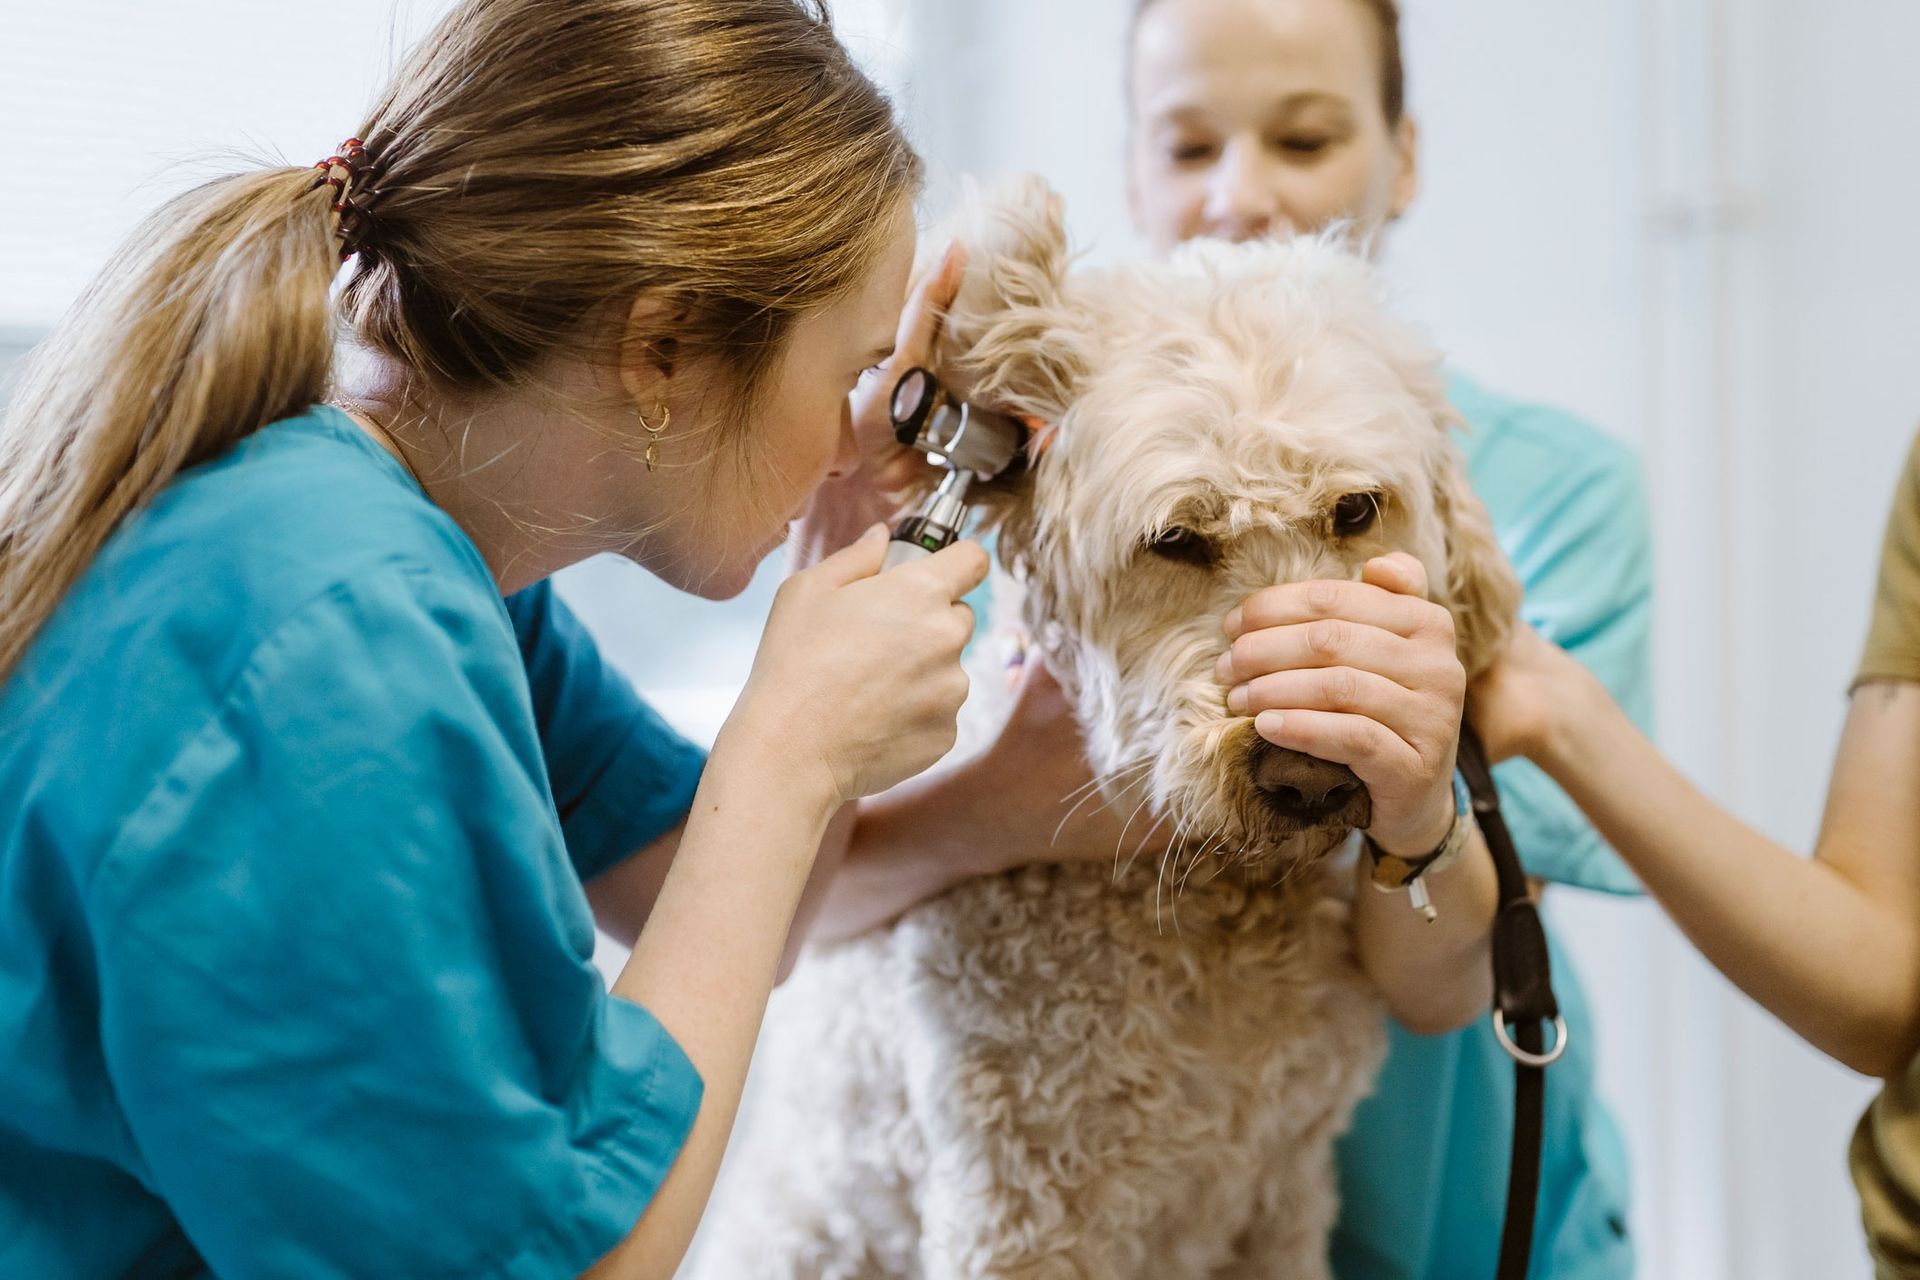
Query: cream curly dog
1084,1074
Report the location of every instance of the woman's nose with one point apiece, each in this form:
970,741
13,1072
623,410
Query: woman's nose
1243,197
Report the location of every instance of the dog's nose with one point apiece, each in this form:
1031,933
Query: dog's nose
1302,787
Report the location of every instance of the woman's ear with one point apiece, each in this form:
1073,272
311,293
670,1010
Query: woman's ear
1481,589
649,351
1406,179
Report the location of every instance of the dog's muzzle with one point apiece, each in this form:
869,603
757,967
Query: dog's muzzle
1307,791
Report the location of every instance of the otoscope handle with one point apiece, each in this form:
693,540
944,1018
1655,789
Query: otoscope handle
899,553
916,537
935,526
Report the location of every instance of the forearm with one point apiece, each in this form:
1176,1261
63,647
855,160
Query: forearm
622,897
1796,935
912,843
826,871
1435,977
705,964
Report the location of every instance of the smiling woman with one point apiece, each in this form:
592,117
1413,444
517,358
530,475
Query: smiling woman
1221,153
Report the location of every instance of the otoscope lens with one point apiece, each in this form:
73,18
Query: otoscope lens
912,396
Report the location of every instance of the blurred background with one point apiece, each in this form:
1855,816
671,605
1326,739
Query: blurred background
1689,220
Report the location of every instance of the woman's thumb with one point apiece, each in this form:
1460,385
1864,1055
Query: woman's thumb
1398,572
859,559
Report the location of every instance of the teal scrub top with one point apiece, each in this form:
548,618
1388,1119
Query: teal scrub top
1423,1171
295,960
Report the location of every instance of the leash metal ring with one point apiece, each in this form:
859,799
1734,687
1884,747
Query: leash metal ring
1527,1057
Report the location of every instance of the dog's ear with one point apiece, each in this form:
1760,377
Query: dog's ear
1481,588
1014,340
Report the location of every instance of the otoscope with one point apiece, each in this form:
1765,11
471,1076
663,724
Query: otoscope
971,442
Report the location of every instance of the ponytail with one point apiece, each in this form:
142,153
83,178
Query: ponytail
210,322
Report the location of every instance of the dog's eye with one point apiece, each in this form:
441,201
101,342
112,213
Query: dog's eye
1355,513
1183,545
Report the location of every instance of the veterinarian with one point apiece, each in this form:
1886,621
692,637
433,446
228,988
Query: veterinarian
303,766
1268,117
1831,945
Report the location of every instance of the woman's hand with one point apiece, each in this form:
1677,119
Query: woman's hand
1364,674
1529,701
888,471
1033,793
857,682
1025,799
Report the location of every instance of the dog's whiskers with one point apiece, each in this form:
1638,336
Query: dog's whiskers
1127,826
1094,782
1206,850
1219,867
1181,834
1140,845
1173,892
1194,857
1091,790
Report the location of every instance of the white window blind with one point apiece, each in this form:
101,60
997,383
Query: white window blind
114,105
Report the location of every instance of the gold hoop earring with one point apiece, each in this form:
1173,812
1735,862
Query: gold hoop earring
654,433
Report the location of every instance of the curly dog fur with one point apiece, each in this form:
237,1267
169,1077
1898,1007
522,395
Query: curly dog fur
1095,1073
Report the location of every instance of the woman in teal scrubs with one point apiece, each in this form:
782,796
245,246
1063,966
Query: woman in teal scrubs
303,766
1265,117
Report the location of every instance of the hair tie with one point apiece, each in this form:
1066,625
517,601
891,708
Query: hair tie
353,206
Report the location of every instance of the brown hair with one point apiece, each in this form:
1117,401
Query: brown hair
1393,73
532,161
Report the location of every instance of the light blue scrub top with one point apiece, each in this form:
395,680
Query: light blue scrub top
295,961
1423,1171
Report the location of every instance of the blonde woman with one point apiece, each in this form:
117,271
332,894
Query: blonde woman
303,766
1830,945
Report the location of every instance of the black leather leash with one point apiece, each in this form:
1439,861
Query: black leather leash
1523,1007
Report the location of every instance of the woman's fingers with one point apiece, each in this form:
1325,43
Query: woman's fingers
1521,703
859,559
957,569
1364,745
1375,603
926,308
1363,673
1338,689
1398,571
1333,642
